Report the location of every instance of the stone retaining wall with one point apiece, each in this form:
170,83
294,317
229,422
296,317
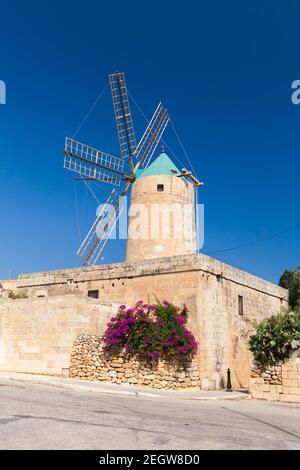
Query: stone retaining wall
37,335
272,374
88,362
280,382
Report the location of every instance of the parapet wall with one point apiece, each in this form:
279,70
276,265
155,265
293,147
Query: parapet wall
88,362
151,267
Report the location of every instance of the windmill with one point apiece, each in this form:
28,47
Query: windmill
94,165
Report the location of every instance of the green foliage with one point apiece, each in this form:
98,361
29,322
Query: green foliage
291,280
276,337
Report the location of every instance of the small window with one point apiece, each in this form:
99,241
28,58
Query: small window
160,188
94,294
241,305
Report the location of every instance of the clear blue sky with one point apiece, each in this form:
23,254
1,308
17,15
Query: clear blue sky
224,70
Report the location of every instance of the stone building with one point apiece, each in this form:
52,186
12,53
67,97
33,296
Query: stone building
42,313
38,325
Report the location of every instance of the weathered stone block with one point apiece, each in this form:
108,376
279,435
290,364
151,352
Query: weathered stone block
271,396
294,375
290,382
132,380
258,395
116,365
112,373
294,390
290,398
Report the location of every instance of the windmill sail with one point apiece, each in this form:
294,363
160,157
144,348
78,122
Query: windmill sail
92,163
122,111
101,230
152,136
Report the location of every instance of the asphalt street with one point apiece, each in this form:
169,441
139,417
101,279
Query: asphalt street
44,416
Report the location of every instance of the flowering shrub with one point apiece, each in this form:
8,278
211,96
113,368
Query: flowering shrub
150,331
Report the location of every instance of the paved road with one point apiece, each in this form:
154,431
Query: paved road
34,416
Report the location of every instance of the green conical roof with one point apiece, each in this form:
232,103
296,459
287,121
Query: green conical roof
163,165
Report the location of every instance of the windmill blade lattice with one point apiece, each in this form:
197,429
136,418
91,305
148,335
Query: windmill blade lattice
91,163
123,115
101,230
152,136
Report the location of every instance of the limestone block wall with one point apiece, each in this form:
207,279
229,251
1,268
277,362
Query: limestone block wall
277,383
36,335
89,362
223,330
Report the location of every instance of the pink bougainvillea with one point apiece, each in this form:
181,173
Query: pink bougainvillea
153,331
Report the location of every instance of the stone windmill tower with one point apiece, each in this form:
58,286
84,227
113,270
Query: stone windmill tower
162,209
162,218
